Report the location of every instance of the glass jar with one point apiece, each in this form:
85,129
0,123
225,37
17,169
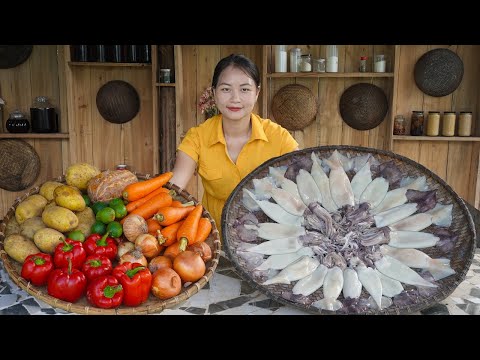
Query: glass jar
433,123
295,57
380,63
417,123
17,122
465,123
363,64
448,127
306,63
319,65
280,58
165,76
332,58
43,116
399,125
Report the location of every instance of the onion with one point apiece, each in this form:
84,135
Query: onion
159,262
189,265
134,256
133,226
148,245
124,247
203,249
166,283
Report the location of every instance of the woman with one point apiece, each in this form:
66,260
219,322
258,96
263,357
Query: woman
227,147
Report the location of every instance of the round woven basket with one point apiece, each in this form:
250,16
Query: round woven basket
19,164
294,107
460,256
14,55
152,305
438,72
363,106
118,101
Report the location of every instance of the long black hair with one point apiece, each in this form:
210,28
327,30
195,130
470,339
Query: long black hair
239,61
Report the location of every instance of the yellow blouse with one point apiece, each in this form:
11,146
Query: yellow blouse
220,175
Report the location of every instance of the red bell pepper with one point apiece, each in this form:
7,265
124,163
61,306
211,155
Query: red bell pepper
96,266
97,244
36,268
70,249
136,280
105,292
67,284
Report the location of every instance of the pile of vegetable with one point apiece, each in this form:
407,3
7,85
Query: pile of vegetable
134,240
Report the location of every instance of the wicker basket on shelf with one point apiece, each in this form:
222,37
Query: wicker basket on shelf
152,305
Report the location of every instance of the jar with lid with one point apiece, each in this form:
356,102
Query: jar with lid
417,123
43,116
17,122
448,127
433,123
319,65
306,63
165,76
399,125
295,58
465,123
363,64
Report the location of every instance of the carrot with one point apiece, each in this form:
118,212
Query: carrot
176,203
169,234
153,226
172,251
132,205
187,233
149,209
140,189
169,214
204,229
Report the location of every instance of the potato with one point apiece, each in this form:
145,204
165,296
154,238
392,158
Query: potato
18,247
69,197
13,227
60,218
47,188
31,226
47,239
79,175
30,207
86,219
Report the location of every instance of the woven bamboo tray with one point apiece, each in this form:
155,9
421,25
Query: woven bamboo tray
152,305
460,257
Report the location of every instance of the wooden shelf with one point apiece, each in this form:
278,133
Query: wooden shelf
329,75
34,136
165,84
90,63
435,138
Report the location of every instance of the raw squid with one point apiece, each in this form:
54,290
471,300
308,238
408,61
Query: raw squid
441,215
321,179
412,239
340,187
396,270
283,182
390,287
439,268
281,261
375,192
360,181
371,282
395,214
352,287
332,287
307,188
280,246
273,231
295,271
309,284
415,222
292,204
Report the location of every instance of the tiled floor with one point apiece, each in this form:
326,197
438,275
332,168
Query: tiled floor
228,294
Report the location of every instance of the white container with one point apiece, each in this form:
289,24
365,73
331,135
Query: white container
295,54
332,58
380,64
165,76
280,58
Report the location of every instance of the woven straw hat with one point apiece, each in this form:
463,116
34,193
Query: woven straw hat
438,72
294,107
363,106
19,164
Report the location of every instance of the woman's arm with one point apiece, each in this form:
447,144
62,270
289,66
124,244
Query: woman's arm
183,169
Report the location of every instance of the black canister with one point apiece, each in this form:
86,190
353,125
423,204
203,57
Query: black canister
43,116
17,123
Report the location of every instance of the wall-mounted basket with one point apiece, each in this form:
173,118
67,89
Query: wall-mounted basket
118,101
19,164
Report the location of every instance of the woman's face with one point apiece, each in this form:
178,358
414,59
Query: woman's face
235,94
